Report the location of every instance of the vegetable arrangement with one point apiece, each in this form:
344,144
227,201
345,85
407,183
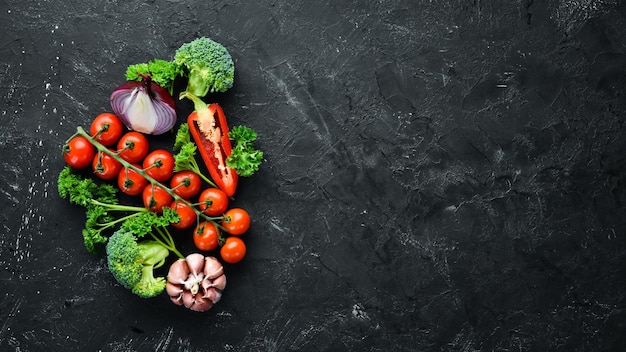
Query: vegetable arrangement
169,194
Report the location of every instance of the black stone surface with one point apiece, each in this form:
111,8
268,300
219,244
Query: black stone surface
439,175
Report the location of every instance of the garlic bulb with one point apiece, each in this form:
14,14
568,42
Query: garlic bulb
196,282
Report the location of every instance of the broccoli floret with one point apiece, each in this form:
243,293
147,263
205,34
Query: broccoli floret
208,64
132,263
122,254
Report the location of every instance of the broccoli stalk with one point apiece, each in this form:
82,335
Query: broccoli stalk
208,66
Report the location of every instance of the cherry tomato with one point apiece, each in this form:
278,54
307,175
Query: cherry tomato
233,250
159,164
130,182
236,221
105,166
133,147
186,184
206,236
106,128
155,198
187,215
78,152
213,201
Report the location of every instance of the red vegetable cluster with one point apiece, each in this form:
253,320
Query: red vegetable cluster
118,150
127,159
134,148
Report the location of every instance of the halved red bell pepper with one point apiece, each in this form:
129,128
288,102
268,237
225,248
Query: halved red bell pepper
209,130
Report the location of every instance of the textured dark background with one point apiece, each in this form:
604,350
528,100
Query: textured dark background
439,175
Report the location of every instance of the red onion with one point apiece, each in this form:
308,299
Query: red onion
144,106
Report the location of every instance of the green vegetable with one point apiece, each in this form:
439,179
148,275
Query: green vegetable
244,158
82,191
182,137
130,258
100,200
101,203
132,263
154,225
161,72
185,159
207,65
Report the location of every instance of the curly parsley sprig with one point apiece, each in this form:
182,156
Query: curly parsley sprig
245,159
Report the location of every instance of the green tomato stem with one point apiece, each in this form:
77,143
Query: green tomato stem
101,148
116,207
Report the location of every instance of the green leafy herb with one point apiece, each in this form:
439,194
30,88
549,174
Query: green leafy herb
245,159
101,204
161,72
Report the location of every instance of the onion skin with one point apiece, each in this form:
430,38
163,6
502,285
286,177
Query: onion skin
144,106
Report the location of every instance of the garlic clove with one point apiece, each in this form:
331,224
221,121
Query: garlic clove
213,268
201,304
177,300
173,290
213,295
220,283
179,271
195,262
188,299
